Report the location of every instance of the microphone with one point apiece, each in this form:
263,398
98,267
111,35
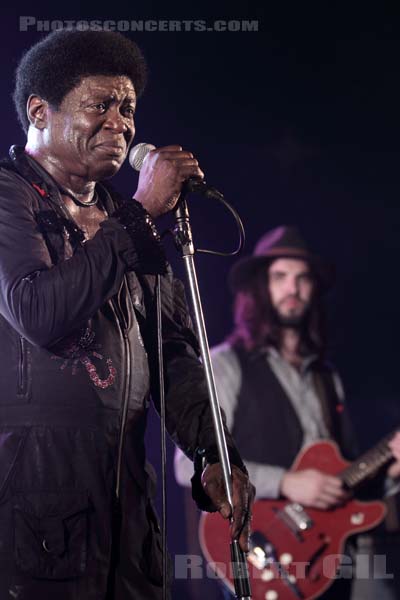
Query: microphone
138,155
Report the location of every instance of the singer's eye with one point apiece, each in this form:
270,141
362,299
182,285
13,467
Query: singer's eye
101,106
129,110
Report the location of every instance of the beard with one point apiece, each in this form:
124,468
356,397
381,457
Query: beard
290,321
293,321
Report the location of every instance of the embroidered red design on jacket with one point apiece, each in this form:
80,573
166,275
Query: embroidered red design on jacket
80,350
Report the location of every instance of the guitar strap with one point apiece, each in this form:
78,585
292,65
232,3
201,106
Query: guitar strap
328,398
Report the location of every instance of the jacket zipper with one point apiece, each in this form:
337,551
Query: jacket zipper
21,367
125,404
124,330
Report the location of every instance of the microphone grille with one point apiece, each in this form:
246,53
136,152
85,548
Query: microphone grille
138,153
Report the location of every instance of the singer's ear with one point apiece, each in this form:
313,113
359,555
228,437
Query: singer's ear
37,111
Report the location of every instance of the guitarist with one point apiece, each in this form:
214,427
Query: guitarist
277,390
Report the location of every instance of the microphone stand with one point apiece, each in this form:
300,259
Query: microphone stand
184,241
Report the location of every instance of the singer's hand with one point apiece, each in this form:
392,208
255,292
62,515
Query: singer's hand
162,176
242,496
394,445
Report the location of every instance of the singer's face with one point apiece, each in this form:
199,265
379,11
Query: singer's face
90,134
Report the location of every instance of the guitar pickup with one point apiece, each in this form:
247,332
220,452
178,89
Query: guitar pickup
298,516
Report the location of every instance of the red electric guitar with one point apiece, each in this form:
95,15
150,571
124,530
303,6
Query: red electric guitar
295,551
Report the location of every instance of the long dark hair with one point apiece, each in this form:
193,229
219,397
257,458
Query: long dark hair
256,324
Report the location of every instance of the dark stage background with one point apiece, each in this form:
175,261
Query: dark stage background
296,123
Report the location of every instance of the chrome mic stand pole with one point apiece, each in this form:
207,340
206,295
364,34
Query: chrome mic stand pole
183,239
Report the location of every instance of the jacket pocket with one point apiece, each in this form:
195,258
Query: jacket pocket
151,562
51,533
12,441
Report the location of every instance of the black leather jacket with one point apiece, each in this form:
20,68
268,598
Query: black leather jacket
78,363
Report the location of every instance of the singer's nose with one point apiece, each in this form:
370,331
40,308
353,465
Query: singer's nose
117,122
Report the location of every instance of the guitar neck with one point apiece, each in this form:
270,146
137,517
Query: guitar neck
368,464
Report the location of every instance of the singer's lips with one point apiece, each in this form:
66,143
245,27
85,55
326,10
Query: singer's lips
111,148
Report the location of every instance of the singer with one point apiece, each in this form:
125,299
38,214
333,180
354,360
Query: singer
78,356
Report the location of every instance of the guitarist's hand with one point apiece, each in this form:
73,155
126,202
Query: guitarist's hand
313,488
242,497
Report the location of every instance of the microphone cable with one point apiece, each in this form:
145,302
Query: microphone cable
240,227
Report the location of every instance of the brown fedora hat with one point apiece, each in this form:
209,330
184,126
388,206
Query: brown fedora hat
282,242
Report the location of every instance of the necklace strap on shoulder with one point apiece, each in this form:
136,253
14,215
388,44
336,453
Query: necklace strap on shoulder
76,200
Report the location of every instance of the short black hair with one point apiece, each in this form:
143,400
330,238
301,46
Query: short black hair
55,65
